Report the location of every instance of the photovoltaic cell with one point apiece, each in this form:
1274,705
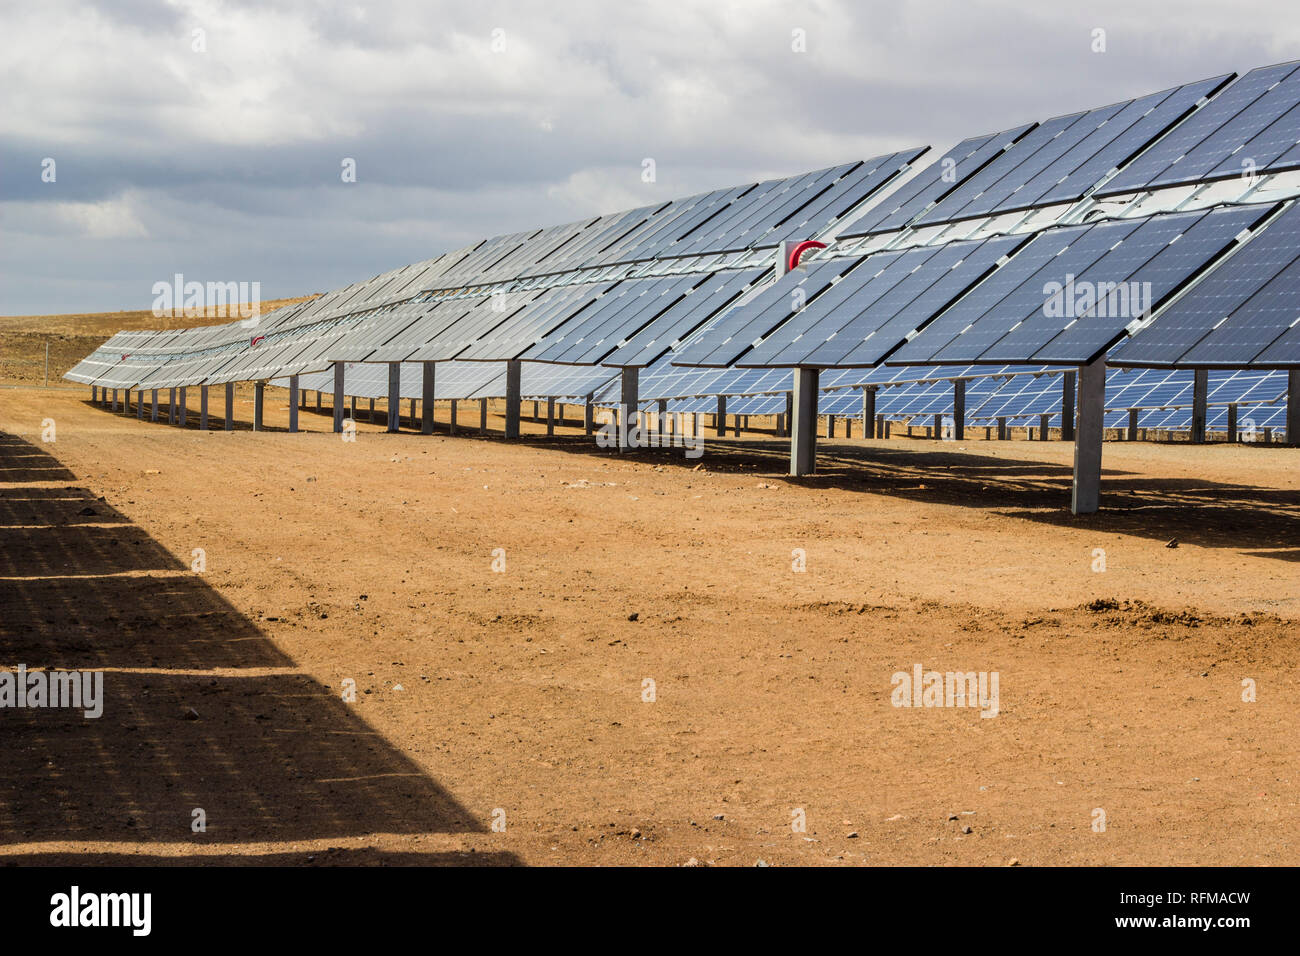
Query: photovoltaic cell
869,178
632,304
1087,248
979,194
1203,238
1082,298
1104,299
1202,146
1112,144
1222,297
788,345
681,318
873,308
934,182
1016,274
722,342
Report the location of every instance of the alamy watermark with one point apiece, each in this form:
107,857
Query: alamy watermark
78,690
621,432
126,910
1072,300
242,300
923,688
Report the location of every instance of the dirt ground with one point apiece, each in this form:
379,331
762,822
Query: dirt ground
520,694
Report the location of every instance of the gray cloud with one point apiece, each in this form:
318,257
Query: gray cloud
224,164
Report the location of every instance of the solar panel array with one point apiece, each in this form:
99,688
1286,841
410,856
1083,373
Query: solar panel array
1061,159
506,295
961,271
1163,398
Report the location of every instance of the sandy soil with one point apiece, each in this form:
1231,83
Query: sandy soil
521,691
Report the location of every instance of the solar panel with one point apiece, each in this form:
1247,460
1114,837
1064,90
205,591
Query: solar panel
1021,397
1213,141
1123,286
722,342
980,340
980,194
1103,281
627,307
1151,283
744,223
1016,274
1221,297
695,307
1112,145
496,332
934,182
660,235
873,308
855,276
865,181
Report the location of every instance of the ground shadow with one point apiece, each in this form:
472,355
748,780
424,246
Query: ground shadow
334,856
22,461
54,506
266,757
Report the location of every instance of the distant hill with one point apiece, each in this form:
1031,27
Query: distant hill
72,337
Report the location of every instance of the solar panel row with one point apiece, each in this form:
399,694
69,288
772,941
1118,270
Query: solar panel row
678,282
1251,127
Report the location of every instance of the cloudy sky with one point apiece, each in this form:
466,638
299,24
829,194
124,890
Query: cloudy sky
208,138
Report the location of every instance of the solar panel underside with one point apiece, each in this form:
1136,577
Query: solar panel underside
1245,312
1253,125
1074,291
459,380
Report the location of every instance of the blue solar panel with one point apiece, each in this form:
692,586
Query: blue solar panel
1259,135
1100,266
1105,276
688,313
872,310
1112,144
1206,140
875,270
835,202
724,341
1022,396
934,182
1221,296
1255,326
589,337
744,222
979,194
1206,237
1016,275
1285,352
658,240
